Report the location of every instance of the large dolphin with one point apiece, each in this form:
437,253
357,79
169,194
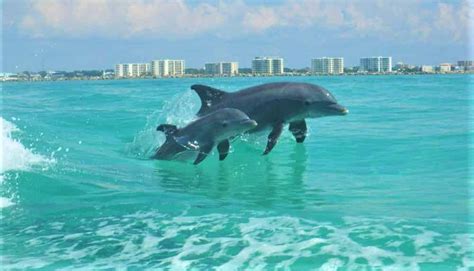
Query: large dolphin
203,134
274,104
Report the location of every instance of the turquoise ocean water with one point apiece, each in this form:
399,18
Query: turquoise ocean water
386,186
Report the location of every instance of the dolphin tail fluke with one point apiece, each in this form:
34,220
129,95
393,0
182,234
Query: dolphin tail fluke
170,147
168,129
168,150
208,96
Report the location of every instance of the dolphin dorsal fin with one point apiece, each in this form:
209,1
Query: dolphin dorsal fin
168,129
208,95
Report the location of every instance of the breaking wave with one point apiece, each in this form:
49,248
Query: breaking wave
15,156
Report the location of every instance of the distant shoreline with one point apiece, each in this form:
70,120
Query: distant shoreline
100,78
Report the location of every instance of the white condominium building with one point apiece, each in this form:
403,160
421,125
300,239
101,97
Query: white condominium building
222,68
376,64
230,68
327,65
267,65
127,70
167,67
119,71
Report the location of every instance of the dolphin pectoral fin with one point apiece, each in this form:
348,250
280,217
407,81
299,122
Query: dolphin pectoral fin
204,150
273,137
298,129
223,149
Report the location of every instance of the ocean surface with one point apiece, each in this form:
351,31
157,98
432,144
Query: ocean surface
387,187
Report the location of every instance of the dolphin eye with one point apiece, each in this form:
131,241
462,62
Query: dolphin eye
307,103
224,124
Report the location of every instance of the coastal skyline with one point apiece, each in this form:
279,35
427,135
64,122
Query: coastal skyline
55,35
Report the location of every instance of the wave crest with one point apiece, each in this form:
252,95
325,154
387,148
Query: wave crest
13,155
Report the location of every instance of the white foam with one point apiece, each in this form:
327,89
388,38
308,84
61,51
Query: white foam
332,264
14,155
4,202
190,242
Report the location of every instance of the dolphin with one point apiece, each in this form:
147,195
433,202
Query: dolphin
202,134
274,104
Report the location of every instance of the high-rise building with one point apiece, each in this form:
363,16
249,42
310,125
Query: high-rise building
321,65
119,70
167,67
338,65
465,63
222,68
230,68
262,66
143,69
213,68
267,65
327,65
277,66
376,64
127,70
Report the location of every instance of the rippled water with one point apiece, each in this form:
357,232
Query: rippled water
387,186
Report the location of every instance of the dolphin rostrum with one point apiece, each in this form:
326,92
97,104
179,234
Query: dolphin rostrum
274,104
203,134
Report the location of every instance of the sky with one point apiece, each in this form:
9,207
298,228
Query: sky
97,34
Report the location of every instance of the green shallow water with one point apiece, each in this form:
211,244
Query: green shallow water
385,187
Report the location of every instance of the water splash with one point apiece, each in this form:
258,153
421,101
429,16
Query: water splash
15,156
178,111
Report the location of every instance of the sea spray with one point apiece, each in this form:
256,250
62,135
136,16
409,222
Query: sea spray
178,111
14,156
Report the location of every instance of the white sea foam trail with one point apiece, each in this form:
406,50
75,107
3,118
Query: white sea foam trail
15,156
155,241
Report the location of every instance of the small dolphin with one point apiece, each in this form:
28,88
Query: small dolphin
202,134
274,104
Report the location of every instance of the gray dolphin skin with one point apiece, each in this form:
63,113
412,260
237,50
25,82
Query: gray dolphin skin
203,134
274,104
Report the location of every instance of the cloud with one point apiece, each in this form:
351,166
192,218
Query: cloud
175,19
455,21
260,19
